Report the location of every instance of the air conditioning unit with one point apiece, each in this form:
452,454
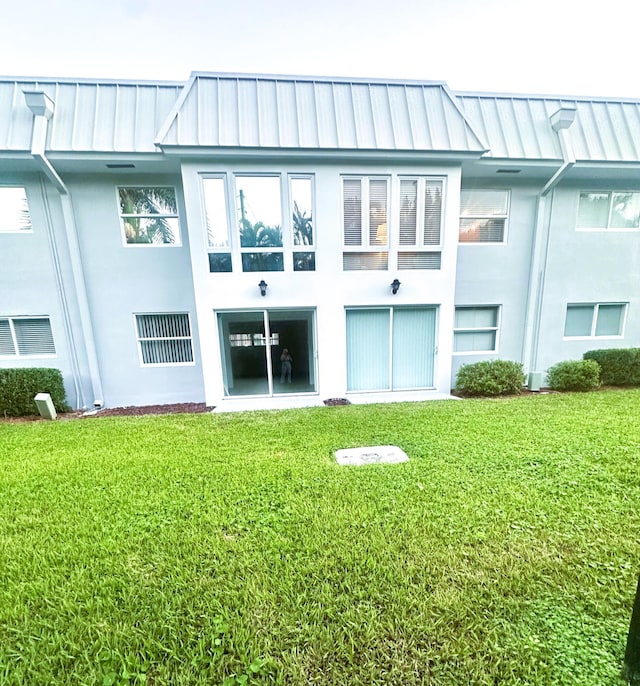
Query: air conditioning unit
535,381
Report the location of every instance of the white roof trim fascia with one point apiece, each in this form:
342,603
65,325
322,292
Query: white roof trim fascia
538,96
91,81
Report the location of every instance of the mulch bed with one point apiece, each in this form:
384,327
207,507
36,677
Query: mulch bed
132,410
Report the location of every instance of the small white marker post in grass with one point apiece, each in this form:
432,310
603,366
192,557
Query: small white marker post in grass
45,406
374,454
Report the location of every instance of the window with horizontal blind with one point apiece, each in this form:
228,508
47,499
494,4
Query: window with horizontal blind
483,216
365,220
586,320
26,336
609,210
149,215
164,339
420,223
476,329
14,210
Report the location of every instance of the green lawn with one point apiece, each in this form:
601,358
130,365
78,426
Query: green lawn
208,549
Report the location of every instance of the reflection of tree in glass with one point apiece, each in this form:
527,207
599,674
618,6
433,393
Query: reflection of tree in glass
151,209
259,235
302,227
24,217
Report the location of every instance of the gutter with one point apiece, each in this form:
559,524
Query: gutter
42,108
560,121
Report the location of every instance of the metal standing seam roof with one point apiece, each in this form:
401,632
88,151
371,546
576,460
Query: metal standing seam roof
89,116
518,127
245,111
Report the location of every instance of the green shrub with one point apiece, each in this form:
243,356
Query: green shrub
574,375
490,378
619,366
18,387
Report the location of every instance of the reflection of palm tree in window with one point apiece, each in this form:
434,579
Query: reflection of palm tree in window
302,227
151,209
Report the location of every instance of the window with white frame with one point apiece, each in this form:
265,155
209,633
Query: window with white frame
420,223
149,215
365,217
301,212
585,320
164,339
476,329
483,216
14,210
609,210
217,223
26,336
259,208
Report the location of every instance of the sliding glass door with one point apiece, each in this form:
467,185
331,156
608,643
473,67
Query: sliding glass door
253,345
390,348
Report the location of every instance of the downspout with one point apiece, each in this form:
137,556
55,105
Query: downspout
42,108
560,121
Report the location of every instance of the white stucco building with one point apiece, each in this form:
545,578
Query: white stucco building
164,242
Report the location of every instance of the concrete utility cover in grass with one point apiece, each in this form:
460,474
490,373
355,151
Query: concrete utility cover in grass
373,454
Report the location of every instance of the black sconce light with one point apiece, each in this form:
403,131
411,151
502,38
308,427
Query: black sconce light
395,286
263,287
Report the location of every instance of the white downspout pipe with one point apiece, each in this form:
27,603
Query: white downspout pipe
560,120
42,108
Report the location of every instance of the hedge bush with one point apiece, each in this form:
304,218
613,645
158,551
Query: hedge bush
574,375
619,366
490,378
18,387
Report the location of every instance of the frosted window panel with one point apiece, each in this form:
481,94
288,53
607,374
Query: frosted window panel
609,320
474,341
593,212
579,320
625,211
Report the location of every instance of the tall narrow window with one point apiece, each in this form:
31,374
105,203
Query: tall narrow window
483,216
301,195
215,205
164,339
365,212
14,210
260,223
420,223
26,336
149,215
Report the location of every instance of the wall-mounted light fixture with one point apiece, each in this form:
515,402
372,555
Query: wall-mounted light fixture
263,287
395,286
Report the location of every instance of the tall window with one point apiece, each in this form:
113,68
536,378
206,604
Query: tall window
149,215
164,339
594,320
609,210
260,223
476,329
21,336
301,200
420,223
365,204
14,210
390,348
483,216
215,205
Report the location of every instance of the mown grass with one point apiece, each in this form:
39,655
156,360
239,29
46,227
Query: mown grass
209,549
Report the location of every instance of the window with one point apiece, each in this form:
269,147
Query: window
301,200
592,321
420,223
483,216
476,329
390,348
164,338
149,215
365,204
609,210
260,223
14,210
22,336
215,206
